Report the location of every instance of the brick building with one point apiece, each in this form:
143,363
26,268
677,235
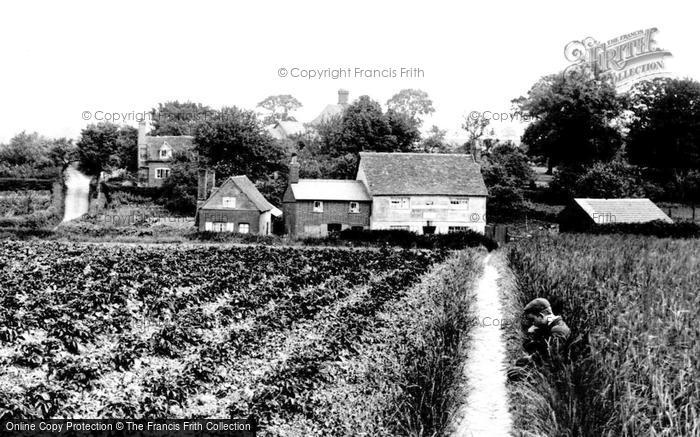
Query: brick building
155,155
318,207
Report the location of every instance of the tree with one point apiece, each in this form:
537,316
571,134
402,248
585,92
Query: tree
234,142
435,142
413,102
475,127
574,119
665,128
106,146
506,172
179,189
33,155
280,107
175,118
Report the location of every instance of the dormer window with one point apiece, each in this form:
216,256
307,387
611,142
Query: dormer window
165,152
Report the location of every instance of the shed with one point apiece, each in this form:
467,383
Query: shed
582,213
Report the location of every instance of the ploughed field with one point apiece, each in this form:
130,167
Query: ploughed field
95,331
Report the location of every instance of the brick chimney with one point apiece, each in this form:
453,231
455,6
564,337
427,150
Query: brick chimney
293,170
343,97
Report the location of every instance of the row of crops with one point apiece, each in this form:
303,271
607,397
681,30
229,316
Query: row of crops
98,331
633,365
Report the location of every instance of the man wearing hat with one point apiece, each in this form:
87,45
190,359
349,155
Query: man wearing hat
546,333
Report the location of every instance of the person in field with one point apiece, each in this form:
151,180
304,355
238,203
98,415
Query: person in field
546,334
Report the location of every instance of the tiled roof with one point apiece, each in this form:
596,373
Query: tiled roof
330,189
422,174
179,143
250,190
328,112
622,210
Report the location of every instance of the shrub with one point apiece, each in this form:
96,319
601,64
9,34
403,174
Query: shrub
656,228
408,239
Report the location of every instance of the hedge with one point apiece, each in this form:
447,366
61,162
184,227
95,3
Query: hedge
408,239
655,228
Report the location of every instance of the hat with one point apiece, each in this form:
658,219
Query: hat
537,306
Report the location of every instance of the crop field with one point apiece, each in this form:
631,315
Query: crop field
633,306
95,331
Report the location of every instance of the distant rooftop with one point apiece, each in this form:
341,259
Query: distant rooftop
622,210
330,189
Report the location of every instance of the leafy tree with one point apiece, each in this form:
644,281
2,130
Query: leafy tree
665,130
413,102
506,170
475,127
106,146
234,142
435,141
612,179
574,120
33,155
179,189
280,107
176,118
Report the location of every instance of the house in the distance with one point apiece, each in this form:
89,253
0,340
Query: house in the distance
319,207
283,130
582,214
424,192
419,192
332,110
155,155
237,206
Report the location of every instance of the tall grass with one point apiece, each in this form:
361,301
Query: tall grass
633,306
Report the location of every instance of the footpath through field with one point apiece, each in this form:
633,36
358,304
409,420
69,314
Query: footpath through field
78,187
485,412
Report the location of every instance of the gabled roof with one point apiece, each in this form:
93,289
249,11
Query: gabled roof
249,189
178,143
328,112
330,189
621,210
283,129
422,174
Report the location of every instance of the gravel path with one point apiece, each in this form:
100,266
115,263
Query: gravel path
485,412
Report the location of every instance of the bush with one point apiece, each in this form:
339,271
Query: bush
655,228
408,239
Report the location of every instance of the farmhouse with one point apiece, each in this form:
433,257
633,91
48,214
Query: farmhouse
424,192
332,110
237,206
420,192
582,213
155,155
318,207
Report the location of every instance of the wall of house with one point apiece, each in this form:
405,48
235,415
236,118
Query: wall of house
235,216
301,220
441,213
152,166
265,223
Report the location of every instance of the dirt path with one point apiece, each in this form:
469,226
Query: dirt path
485,412
77,190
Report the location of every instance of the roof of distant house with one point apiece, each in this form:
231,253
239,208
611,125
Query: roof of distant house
422,174
249,189
330,189
284,129
178,143
622,210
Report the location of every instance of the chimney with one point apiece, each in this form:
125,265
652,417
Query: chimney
293,170
205,184
142,133
343,97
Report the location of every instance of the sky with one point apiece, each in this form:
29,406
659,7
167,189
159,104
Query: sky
65,63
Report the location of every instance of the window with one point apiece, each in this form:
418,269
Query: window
318,206
165,152
243,228
334,228
399,203
453,229
162,173
218,227
400,228
357,228
354,207
229,202
462,203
